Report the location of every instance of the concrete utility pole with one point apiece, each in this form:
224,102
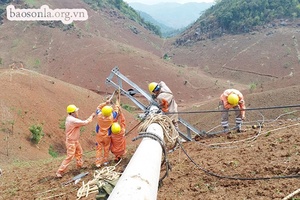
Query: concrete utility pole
141,176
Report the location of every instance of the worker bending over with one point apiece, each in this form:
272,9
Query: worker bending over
232,98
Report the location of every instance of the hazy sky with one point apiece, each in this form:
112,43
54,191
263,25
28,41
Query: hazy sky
151,2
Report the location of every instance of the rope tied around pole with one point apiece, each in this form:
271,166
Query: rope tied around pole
170,133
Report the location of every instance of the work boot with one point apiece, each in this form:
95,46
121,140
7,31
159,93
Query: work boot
226,130
117,159
98,165
58,175
238,128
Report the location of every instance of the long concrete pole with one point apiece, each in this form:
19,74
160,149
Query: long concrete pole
140,179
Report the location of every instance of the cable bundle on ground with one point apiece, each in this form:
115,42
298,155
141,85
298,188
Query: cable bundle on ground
101,178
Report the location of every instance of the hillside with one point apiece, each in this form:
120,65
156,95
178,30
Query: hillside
106,40
46,66
267,153
267,55
29,98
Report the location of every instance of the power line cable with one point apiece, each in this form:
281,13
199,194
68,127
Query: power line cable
247,109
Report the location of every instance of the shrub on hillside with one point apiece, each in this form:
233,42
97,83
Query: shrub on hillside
36,133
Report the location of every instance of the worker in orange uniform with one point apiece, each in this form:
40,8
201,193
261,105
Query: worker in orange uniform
165,98
232,98
118,140
105,119
72,130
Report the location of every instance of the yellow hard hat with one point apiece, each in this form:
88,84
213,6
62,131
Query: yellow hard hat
233,99
72,108
115,128
152,86
106,111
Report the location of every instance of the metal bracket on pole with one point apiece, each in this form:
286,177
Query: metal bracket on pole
136,89
120,77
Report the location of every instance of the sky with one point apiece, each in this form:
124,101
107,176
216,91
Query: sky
151,2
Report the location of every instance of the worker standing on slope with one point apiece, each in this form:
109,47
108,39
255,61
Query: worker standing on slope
165,98
232,98
74,149
106,117
118,140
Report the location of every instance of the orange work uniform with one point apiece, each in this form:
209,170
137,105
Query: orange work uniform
73,146
167,102
239,109
118,141
102,138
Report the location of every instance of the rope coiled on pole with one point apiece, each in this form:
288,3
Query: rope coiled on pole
170,133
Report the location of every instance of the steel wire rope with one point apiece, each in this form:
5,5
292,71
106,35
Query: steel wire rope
213,133
246,109
259,132
249,139
254,137
260,122
235,178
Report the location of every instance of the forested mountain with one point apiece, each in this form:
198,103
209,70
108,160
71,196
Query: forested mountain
241,16
166,31
126,10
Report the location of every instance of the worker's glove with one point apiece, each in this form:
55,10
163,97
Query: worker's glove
158,111
97,128
153,96
98,111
